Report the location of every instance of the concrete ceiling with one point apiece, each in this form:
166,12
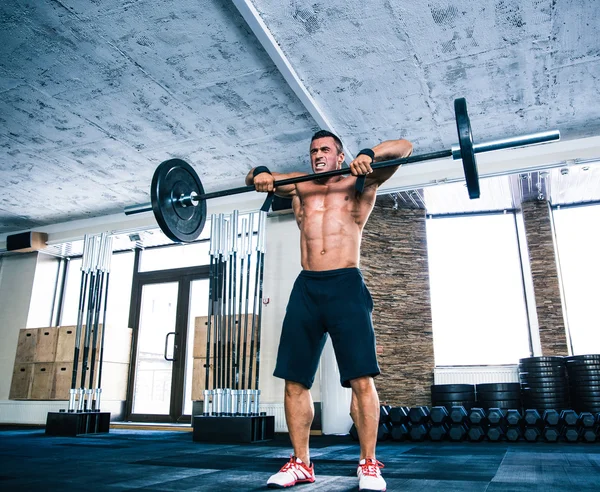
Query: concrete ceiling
94,94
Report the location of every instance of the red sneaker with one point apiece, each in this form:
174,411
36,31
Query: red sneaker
369,476
293,472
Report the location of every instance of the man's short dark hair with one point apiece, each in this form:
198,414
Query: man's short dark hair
324,134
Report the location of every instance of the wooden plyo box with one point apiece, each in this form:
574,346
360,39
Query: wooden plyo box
43,381
20,388
26,346
45,348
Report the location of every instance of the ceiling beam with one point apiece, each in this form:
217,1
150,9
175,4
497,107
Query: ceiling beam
270,45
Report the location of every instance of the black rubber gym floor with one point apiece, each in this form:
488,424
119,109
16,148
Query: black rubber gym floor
171,461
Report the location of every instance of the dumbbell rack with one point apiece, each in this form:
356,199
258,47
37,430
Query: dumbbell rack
457,424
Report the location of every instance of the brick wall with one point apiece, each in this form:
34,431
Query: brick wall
394,264
540,244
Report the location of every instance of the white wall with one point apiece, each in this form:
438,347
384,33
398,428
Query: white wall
282,266
16,286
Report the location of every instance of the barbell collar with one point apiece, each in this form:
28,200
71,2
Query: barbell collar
507,143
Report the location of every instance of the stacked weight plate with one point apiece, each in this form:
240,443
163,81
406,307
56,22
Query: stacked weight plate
584,382
453,395
499,395
544,384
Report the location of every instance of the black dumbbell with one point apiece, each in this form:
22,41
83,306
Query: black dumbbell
513,417
495,433
458,415
586,419
438,415
532,418
400,432
551,417
457,432
398,415
384,414
569,417
477,416
590,434
570,433
418,432
532,433
419,415
513,433
476,433
496,416
551,433
383,432
438,432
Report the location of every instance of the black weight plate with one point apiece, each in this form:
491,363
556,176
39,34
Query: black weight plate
543,372
545,396
585,380
171,180
545,380
562,382
591,391
499,395
542,359
578,366
508,404
469,396
465,140
585,357
494,387
588,371
544,391
532,402
452,388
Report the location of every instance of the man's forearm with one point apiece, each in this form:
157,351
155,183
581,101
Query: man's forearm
392,149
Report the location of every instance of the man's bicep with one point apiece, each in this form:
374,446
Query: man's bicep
289,190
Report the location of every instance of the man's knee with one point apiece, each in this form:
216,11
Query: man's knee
294,389
362,385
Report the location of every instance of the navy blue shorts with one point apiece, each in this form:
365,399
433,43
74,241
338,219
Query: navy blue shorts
335,302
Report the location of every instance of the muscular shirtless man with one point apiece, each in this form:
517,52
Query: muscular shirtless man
329,296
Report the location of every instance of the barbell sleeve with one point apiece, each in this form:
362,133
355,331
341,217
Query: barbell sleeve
507,143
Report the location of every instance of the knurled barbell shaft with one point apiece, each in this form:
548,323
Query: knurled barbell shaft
454,152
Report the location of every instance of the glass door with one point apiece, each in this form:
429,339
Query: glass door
196,334
168,370
156,350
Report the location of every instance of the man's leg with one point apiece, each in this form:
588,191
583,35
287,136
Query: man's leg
365,414
299,414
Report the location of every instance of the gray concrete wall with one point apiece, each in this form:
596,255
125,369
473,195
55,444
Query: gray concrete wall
16,286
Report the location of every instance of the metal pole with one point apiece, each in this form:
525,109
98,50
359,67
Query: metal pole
261,246
82,302
248,262
255,299
239,321
210,295
233,319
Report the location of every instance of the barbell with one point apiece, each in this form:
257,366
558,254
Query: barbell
179,200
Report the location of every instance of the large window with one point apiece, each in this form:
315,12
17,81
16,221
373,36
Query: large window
119,290
175,256
578,241
477,298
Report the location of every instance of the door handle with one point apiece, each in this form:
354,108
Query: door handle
167,345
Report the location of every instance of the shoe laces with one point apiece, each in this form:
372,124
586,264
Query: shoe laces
290,464
371,467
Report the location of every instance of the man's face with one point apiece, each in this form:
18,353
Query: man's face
324,155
